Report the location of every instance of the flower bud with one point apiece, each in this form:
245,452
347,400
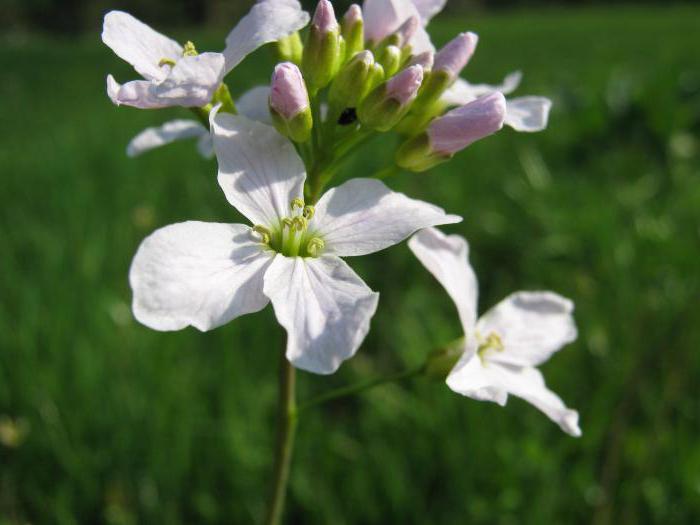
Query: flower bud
454,56
323,52
289,103
447,66
388,103
424,60
453,132
390,59
354,81
406,31
290,48
353,31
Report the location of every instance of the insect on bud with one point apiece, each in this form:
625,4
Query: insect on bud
289,103
452,132
324,49
388,103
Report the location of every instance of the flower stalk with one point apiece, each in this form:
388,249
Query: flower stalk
286,429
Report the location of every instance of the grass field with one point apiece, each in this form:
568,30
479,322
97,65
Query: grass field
105,421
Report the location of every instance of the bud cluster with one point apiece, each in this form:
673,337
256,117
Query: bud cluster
339,83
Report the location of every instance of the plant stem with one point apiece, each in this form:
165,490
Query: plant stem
287,421
359,387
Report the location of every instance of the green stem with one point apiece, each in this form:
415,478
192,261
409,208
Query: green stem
287,421
357,388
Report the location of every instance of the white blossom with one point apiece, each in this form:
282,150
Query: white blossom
504,347
207,274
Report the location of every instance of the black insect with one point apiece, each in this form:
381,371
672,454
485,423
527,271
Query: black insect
347,117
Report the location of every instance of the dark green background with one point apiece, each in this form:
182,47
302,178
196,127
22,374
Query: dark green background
119,424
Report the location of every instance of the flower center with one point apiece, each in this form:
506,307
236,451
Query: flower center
292,237
491,342
188,51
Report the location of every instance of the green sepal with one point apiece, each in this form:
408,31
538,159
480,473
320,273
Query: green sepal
290,49
298,128
416,154
379,112
321,59
354,36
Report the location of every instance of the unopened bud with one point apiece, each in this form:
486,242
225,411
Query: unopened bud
454,56
390,59
388,103
447,66
289,103
406,31
290,48
323,52
424,60
355,80
352,29
452,132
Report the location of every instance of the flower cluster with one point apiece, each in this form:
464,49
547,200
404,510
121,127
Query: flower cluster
279,146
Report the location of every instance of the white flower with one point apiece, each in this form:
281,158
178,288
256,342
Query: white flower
252,104
504,346
179,76
527,114
207,274
175,75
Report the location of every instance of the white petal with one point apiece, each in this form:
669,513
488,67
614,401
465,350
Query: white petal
528,384
471,378
259,170
363,216
171,131
267,21
192,80
254,104
138,44
528,113
137,94
420,42
383,17
493,382
531,325
324,306
197,273
462,92
447,258
429,8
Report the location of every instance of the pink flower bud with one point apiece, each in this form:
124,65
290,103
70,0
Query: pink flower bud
424,60
407,30
324,17
404,87
458,128
288,95
454,56
353,15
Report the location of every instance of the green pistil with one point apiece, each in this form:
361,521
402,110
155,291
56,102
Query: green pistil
291,237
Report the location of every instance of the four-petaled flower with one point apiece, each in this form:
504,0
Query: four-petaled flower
504,346
206,274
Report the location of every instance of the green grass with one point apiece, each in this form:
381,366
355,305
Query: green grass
125,425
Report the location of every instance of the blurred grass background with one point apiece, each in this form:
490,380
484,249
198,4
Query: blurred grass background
105,421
